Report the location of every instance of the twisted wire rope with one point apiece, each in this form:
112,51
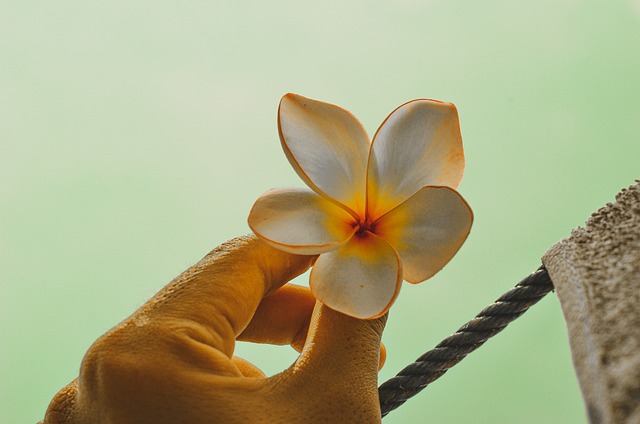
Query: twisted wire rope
489,322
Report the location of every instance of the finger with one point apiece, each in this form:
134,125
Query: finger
246,368
221,292
282,318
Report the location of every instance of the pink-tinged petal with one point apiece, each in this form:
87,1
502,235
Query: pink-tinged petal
328,148
419,144
299,221
360,279
427,230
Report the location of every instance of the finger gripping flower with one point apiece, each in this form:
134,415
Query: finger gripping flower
376,212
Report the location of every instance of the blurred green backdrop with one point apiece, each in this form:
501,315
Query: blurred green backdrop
135,137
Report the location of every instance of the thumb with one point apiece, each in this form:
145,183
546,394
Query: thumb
338,367
340,345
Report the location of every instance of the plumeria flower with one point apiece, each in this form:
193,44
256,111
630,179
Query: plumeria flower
376,212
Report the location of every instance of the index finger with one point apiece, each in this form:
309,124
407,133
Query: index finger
224,289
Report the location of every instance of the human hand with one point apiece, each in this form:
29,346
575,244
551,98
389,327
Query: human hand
172,360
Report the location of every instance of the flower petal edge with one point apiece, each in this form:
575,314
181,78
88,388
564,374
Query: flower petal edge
427,230
418,144
299,221
328,148
361,279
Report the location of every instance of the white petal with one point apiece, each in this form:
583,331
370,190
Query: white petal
328,148
360,279
427,230
419,144
299,221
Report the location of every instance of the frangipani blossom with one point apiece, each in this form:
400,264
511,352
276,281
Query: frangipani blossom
376,212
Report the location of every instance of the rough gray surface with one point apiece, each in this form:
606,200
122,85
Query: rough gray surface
596,273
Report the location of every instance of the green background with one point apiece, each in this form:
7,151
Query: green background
135,137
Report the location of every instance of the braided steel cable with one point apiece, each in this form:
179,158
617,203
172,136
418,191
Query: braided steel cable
489,322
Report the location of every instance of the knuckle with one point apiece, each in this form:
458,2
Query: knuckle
62,407
112,360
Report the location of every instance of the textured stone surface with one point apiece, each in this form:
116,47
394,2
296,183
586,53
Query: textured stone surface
596,272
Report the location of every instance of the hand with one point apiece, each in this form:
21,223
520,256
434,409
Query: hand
172,360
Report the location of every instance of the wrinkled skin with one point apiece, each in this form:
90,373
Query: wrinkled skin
172,360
